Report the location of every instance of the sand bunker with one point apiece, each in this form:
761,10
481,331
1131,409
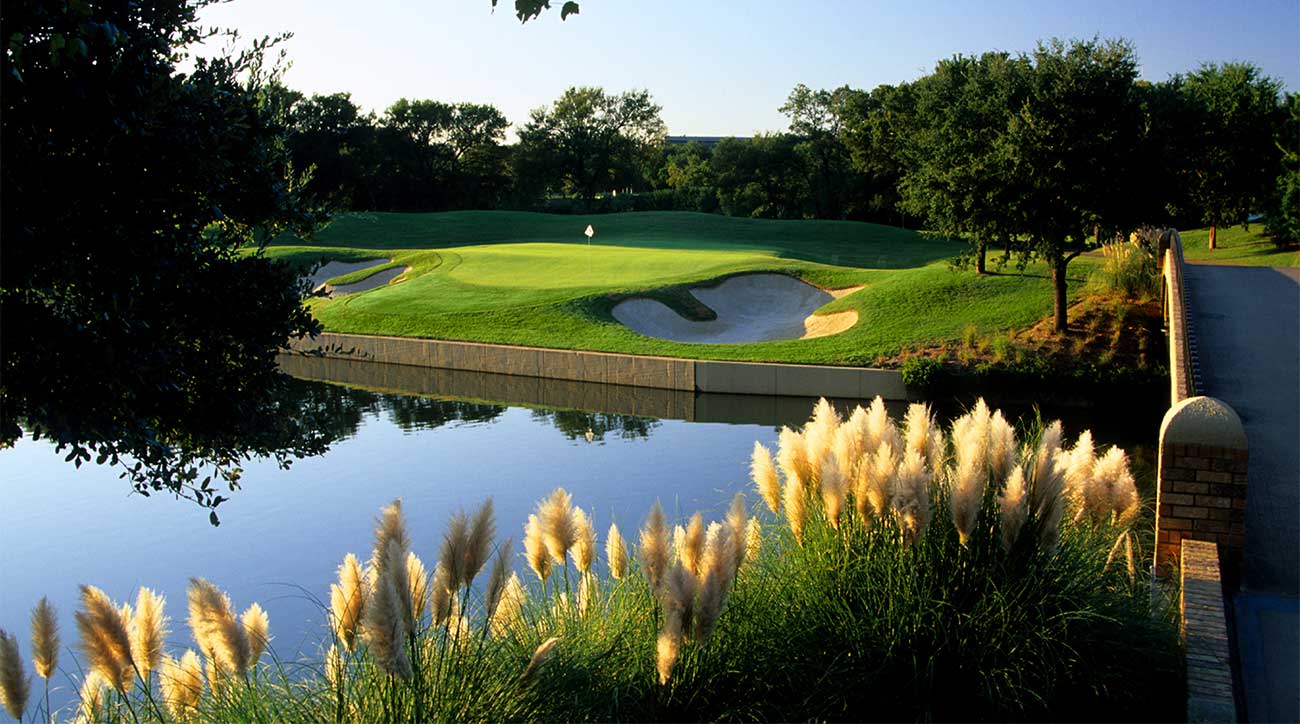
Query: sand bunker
750,308
320,278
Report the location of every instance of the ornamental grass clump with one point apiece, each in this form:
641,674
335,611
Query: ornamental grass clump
975,570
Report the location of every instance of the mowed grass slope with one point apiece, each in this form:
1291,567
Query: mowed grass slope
1237,245
531,279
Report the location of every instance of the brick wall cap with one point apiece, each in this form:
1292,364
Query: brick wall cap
1203,421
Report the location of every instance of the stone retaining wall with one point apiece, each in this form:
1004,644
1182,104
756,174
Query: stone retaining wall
671,373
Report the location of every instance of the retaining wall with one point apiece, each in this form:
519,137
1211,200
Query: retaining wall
670,373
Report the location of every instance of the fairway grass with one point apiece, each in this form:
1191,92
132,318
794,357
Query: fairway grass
532,279
1236,245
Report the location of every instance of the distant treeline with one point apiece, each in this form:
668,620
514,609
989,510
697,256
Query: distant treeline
1211,146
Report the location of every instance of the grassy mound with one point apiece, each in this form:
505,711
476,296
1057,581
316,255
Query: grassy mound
531,279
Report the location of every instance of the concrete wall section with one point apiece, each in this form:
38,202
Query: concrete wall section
752,378
739,378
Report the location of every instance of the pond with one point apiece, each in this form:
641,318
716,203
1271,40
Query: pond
454,441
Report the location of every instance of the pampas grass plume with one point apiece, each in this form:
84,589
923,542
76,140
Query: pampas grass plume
910,497
14,686
616,552
257,627
1011,507
496,581
91,697
479,546
832,487
455,546
347,601
510,606
850,443
796,507
535,548
556,516
540,657
763,472
220,637
148,630
182,684
753,539
390,527
45,638
417,578
584,541
692,549
387,619
1002,446
653,548
792,457
105,639
737,522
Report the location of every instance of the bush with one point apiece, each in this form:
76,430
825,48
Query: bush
1130,267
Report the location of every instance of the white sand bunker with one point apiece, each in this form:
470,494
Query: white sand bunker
320,278
750,308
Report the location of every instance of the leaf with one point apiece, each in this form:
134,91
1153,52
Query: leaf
570,8
212,518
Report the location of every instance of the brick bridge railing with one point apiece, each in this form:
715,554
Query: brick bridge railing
1200,501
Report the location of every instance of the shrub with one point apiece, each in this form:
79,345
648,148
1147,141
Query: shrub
1130,267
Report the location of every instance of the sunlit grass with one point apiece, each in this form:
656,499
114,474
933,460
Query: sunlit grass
518,278
1237,245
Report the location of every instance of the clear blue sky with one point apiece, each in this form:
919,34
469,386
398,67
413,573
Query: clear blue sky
723,67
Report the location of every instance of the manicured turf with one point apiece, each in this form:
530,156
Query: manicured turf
1236,246
531,279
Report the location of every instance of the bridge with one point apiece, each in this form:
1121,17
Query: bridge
1228,488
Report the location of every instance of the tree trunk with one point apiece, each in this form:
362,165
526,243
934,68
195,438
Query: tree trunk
1214,234
980,253
1058,295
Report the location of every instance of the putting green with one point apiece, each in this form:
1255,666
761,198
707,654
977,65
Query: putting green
532,279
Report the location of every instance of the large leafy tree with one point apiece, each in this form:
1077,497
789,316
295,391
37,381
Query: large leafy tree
1071,144
591,141
1283,218
878,128
760,177
817,119
132,327
959,175
1232,158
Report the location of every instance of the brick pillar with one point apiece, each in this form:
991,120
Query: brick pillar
1201,480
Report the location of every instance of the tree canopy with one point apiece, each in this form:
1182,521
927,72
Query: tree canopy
592,141
133,328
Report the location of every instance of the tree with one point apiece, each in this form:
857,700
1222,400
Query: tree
593,141
960,177
760,177
328,134
877,128
132,328
1233,158
1282,221
1070,143
817,118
